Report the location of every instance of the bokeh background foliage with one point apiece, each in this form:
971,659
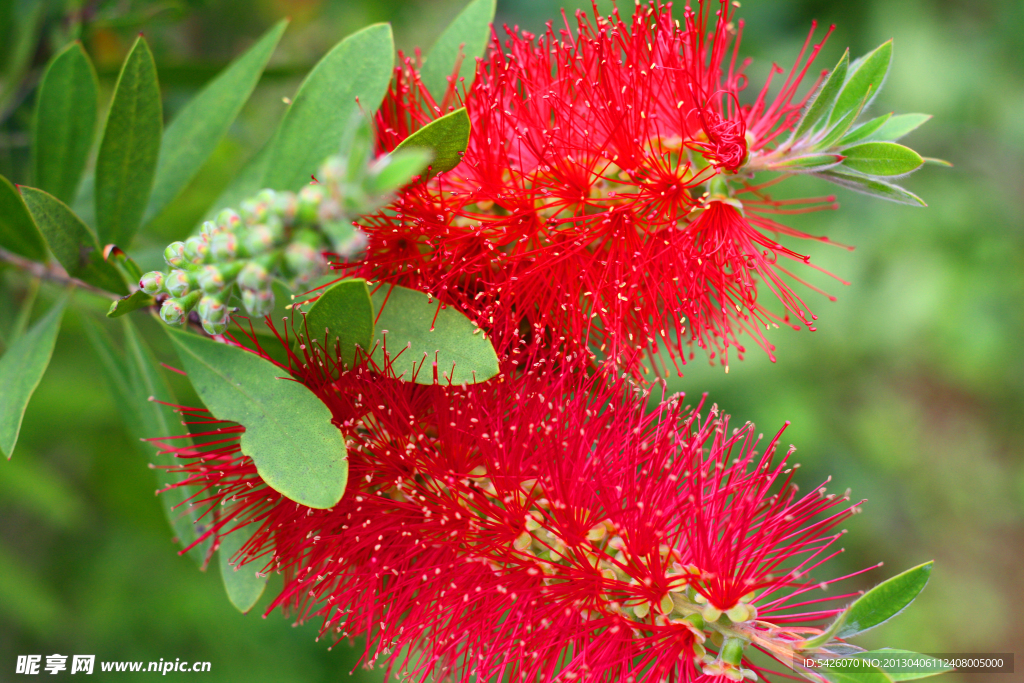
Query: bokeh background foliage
910,393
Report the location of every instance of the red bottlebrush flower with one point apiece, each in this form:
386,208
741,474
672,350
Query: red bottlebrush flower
581,209
542,527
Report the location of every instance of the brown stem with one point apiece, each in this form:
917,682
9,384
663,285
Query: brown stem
53,272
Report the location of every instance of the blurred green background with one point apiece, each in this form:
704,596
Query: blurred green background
910,393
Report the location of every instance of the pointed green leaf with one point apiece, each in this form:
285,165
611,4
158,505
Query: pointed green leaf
881,159
841,127
865,82
423,340
344,315
133,302
899,126
288,430
870,186
864,131
138,386
398,169
877,606
17,231
72,242
243,585
353,76
884,601
128,153
929,666
465,38
194,133
446,138
21,368
825,99
65,122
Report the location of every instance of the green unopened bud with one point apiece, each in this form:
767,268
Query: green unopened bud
347,241
310,198
213,328
332,171
179,282
196,249
252,211
330,210
224,246
302,259
732,651
212,309
258,302
174,254
253,276
228,220
173,311
267,197
208,230
211,280
285,206
259,239
152,282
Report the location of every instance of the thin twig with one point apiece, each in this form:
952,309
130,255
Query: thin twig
53,272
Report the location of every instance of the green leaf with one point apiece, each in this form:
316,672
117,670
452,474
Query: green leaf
870,186
865,82
288,430
864,131
21,368
17,231
133,302
877,606
933,667
422,341
398,169
446,137
810,163
466,38
194,133
823,102
243,585
72,242
899,126
351,77
881,159
884,601
138,386
128,153
841,127
65,122
344,314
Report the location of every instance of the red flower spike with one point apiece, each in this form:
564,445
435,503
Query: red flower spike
575,215
546,527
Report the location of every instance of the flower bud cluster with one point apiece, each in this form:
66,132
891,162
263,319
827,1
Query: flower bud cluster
272,236
241,251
